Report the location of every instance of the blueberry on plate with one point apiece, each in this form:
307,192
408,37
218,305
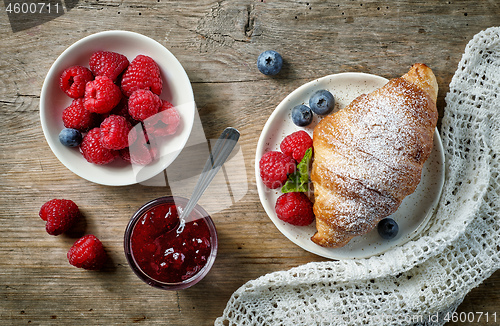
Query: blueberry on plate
322,102
387,228
70,137
302,115
269,62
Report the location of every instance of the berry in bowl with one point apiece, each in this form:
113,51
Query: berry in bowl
127,103
168,254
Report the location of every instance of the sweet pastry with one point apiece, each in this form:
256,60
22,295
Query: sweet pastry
368,156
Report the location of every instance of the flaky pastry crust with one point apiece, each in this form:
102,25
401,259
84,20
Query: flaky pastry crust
369,156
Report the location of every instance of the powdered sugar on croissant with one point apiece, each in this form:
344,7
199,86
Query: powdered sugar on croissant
368,156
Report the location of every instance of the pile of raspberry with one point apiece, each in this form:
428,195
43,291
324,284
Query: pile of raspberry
116,109
276,166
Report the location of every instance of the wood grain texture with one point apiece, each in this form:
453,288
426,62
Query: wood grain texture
217,42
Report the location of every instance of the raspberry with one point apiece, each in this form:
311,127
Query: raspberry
143,104
101,95
60,215
125,154
143,151
296,144
295,208
114,132
87,253
275,168
142,73
142,154
122,110
165,105
73,81
109,64
75,116
93,150
165,122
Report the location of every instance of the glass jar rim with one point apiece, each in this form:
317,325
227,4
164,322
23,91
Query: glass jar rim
181,201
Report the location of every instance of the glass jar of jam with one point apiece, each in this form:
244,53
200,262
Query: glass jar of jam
165,254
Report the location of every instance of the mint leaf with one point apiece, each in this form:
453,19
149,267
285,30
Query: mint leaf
299,180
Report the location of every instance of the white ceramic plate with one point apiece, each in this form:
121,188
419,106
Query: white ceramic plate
176,89
412,215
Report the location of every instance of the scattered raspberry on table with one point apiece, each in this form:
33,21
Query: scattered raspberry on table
87,253
60,215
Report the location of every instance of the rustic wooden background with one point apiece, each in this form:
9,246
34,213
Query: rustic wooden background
218,43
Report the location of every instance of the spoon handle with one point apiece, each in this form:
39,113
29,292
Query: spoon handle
219,154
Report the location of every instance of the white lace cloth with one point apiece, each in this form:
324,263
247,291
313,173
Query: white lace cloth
423,281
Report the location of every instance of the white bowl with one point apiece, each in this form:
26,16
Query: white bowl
176,89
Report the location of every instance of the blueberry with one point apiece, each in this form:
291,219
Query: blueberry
70,137
322,102
387,228
269,62
302,115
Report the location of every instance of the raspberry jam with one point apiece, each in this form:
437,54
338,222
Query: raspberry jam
164,255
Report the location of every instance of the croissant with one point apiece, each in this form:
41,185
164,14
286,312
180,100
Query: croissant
369,156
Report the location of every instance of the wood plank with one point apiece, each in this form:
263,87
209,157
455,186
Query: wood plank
217,42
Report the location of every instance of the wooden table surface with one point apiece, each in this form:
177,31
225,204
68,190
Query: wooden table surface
217,42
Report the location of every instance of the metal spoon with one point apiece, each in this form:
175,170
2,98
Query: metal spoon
219,154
